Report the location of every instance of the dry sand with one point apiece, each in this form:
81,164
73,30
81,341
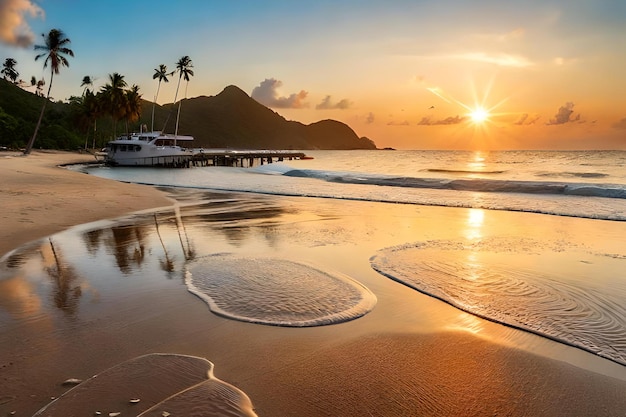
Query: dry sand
370,370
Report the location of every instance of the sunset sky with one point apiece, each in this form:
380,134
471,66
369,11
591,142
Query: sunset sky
407,74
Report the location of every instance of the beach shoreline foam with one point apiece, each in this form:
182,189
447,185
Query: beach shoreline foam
389,362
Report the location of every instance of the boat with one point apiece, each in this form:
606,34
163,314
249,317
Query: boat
149,149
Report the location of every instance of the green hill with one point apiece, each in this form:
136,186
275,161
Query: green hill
19,111
231,119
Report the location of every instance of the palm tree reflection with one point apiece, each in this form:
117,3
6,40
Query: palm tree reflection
67,289
128,246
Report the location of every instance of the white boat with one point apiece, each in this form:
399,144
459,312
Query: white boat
149,149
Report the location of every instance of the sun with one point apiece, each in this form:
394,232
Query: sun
479,115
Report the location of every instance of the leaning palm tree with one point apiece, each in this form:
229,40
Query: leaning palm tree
55,50
160,74
9,71
184,68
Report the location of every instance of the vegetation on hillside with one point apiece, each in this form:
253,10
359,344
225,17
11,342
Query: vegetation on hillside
231,119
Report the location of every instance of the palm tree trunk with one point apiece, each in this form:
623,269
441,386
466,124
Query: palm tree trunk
175,97
31,142
177,118
154,104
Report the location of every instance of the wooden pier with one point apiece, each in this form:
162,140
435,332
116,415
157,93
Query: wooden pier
219,158
244,159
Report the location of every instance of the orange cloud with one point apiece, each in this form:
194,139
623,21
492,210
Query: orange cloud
14,29
327,104
267,94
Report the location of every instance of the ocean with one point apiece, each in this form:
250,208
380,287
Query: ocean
587,184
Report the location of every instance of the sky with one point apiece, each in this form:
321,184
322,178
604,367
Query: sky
446,74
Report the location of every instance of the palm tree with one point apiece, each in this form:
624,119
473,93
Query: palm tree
114,98
55,50
132,110
9,71
183,66
39,88
90,107
86,82
161,74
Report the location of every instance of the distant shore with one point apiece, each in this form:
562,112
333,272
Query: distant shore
377,365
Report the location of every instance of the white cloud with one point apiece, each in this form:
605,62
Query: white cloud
14,30
267,94
503,60
327,104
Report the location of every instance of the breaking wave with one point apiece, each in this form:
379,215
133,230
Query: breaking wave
469,184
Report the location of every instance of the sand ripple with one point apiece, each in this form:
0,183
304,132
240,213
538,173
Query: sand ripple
587,313
277,291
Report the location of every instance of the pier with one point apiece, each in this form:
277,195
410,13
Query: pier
244,159
219,157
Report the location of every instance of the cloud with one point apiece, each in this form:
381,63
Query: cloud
14,29
370,118
327,104
503,37
620,125
503,60
267,94
427,121
525,120
394,123
564,115
559,61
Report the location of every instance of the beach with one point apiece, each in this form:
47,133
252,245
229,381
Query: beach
410,355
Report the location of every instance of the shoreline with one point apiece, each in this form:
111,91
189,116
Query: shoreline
33,210
385,363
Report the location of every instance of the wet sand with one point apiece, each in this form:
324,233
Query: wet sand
412,355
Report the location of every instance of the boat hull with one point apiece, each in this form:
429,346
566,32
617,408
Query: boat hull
153,159
148,149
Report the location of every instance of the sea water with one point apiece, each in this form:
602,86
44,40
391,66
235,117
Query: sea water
588,184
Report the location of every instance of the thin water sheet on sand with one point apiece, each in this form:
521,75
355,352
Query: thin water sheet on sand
552,289
153,385
277,291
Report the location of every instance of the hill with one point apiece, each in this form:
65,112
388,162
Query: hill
231,119
234,119
19,111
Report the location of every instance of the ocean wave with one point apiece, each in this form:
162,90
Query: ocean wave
462,171
467,184
573,174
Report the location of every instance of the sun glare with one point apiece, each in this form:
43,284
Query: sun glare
479,115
